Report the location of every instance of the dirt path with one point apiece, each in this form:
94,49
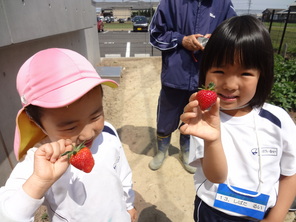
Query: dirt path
165,195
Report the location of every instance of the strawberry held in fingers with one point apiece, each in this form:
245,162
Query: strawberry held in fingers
206,97
81,158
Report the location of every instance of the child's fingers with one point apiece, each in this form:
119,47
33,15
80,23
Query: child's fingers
50,151
215,108
191,106
68,145
68,142
183,128
190,110
192,97
187,116
54,150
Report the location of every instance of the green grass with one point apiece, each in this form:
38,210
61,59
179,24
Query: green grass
116,26
289,39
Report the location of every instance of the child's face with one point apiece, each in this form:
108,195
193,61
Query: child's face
81,121
235,87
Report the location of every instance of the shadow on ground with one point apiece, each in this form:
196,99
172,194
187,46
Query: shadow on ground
149,212
152,214
141,140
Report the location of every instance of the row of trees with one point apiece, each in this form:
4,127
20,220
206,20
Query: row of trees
147,13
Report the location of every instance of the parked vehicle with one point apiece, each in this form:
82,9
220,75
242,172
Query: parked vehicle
140,23
121,20
100,24
136,18
109,19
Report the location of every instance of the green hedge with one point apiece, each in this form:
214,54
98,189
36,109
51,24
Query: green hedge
284,90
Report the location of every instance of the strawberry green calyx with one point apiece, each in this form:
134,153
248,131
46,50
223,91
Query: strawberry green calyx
210,87
75,150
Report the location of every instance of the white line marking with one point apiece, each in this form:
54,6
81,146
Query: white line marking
128,49
142,55
112,55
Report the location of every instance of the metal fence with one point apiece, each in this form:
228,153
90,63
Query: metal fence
283,35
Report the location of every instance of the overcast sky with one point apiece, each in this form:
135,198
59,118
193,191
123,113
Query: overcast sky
262,4
238,4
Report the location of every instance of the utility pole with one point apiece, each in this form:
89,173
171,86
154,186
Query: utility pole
249,7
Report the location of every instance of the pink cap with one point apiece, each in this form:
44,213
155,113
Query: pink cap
51,78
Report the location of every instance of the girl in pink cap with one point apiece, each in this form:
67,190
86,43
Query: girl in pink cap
61,94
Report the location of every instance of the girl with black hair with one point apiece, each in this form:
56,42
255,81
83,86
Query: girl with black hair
243,148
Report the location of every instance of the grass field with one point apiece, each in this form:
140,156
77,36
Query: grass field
276,33
118,26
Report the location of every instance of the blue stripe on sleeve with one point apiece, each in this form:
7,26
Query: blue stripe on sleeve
271,117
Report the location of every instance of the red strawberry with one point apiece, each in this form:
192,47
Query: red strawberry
206,97
81,158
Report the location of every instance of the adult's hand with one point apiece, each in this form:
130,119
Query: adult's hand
190,42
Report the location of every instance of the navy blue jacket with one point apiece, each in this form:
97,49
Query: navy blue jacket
175,19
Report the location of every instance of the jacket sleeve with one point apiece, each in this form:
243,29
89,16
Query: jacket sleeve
15,204
162,35
231,11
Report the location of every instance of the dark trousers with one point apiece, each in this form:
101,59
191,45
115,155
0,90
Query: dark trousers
205,213
171,103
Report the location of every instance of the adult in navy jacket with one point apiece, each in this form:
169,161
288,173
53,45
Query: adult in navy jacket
174,30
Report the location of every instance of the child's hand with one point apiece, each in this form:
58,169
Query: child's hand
48,163
48,167
203,124
133,213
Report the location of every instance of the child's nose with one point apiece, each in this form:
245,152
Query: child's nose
87,133
230,83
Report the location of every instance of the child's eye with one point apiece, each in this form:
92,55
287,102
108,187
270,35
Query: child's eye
218,72
247,74
96,117
70,129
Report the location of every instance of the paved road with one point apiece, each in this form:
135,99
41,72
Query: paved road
126,44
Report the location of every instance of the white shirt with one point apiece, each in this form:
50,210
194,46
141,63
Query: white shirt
104,194
276,133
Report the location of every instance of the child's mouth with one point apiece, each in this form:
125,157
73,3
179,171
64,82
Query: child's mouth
227,98
88,143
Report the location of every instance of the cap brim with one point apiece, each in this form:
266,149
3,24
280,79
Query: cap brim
27,134
71,92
